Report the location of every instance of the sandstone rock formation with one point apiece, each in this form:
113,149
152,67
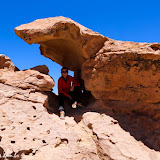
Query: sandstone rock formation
21,93
6,64
27,85
28,132
112,142
27,79
124,71
124,75
91,140
42,68
62,40
111,70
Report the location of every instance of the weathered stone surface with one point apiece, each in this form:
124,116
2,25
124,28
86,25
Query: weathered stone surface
42,68
124,75
62,40
26,128
27,79
112,70
141,120
29,132
5,63
112,141
125,71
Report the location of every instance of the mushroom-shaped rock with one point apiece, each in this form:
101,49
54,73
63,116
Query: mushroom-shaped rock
111,70
62,40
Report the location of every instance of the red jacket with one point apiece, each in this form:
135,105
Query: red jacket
64,86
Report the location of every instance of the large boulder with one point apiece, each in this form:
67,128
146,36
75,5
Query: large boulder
26,79
124,71
41,68
141,120
26,85
112,142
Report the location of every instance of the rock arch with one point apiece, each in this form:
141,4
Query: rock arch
124,75
101,62
62,40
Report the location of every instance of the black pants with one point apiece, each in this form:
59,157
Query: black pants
75,94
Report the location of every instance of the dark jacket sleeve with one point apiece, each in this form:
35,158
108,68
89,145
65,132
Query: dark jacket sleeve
75,82
60,88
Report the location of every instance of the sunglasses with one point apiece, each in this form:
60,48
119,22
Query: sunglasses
64,72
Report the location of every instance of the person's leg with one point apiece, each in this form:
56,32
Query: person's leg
77,94
61,98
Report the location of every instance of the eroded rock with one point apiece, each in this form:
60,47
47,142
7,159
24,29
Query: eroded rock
111,70
112,142
124,71
27,79
29,132
42,69
119,73
62,40
6,63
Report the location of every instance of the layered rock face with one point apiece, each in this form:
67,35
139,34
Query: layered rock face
124,71
6,63
111,70
124,76
28,132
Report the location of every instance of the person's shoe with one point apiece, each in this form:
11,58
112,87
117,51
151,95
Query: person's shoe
79,105
62,114
74,105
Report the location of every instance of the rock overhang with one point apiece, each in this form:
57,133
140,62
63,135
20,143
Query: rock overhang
62,40
111,69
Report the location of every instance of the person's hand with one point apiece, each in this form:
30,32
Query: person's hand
72,88
70,97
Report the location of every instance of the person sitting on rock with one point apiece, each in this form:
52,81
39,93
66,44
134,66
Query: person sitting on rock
65,90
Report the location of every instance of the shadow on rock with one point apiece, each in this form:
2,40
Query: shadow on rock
77,113
141,120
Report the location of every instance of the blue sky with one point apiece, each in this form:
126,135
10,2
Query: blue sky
137,21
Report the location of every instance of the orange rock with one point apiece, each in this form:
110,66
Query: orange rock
111,70
62,40
5,63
